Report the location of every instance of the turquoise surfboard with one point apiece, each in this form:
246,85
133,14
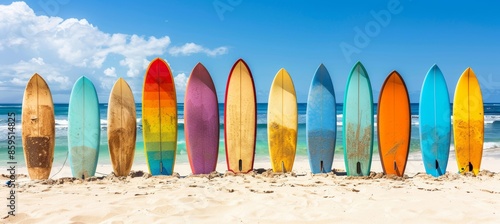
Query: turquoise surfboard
84,131
358,123
435,122
321,122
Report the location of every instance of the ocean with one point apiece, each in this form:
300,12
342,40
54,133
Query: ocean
491,128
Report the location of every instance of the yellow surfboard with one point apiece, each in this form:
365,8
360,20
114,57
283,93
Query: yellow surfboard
282,122
468,123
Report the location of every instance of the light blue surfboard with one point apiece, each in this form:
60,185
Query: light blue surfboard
84,131
435,122
358,123
321,122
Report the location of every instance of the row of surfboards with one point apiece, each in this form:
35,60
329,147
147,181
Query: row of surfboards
201,118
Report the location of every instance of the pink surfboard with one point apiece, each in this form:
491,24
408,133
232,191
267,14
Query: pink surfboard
201,121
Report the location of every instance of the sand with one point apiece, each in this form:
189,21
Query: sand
262,196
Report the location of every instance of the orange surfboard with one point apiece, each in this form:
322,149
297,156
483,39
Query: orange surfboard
394,125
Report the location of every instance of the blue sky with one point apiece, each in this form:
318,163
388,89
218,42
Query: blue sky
64,39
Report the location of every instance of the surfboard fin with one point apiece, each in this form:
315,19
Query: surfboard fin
283,167
396,168
437,165
240,165
321,166
470,167
358,168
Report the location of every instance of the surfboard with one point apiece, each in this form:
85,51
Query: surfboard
159,118
201,121
435,122
321,122
240,119
122,127
38,128
84,129
358,123
394,125
468,123
282,122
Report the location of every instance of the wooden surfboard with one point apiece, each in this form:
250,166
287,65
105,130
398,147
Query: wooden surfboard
159,118
84,129
394,125
435,122
201,121
468,123
38,128
358,123
240,119
321,122
282,122
122,126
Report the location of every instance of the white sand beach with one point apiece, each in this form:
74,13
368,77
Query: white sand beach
263,196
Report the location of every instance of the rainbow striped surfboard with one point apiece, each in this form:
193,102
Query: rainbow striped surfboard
159,118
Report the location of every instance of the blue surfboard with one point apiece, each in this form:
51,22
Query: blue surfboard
435,122
358,123
321,122
84,131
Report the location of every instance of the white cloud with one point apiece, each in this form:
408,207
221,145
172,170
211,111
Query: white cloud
216,51
110,72
80,44
192,48
69,43
61,50
186,49
63,81
106,82
38,61
181,83
22,71
18,82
